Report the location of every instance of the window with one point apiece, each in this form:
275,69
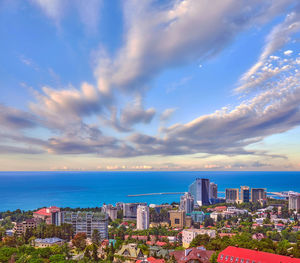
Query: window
221,257
226,257
177,221
247,261
231,259
242,260
236,260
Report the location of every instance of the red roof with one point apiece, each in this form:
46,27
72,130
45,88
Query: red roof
192,254
152,260
44,212
230,254
160,243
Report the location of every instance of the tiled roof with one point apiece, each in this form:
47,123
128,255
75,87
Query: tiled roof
51,240
192,254
242,255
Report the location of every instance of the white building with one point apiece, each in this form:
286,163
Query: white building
294,201
189,234
142,219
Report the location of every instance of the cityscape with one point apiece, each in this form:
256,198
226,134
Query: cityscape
150,131
200,227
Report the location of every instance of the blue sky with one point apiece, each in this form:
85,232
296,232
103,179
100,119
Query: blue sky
139,85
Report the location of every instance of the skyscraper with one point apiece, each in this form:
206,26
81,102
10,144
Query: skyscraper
213,190
245,194
232,195
187,203
258,195
142,219
130,210
294,201
199,189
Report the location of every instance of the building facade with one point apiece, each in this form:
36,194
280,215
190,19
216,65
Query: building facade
20,228
85,222
232,195
213,188
130,210
187,203
46,214
200,190
245,194
177,218
111,211
258,195
189,234
294,201
142,219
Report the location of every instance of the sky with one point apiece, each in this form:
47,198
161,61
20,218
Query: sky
149,85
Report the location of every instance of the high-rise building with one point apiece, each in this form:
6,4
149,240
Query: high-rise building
85,222
213,191
142,218
111,211
187,203
258,195
130,210
199,189
294,201
245,194
232,195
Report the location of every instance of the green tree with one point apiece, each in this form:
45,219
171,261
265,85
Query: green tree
79,241
96,237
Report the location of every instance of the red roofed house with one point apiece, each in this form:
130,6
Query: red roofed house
151,260
243,255
46,214
195,254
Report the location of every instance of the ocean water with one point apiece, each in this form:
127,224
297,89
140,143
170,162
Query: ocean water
31,190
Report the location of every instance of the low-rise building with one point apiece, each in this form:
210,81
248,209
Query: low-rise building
189,234
130,252
198,216
177,218
20,228
46,214
48,242
195,254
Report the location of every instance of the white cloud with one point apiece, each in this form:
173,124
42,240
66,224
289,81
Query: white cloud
288,52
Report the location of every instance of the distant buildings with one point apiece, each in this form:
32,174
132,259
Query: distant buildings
213,189
142,220
187,203
258,195
48,242
198,216
242,195
189,234
200,190
46,214
20,228
130,210
111,211
85,222
177,218
245,194
294,201
232,195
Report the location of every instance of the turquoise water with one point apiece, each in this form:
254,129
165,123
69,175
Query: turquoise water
30,190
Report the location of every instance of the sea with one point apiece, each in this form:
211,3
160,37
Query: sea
32,190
